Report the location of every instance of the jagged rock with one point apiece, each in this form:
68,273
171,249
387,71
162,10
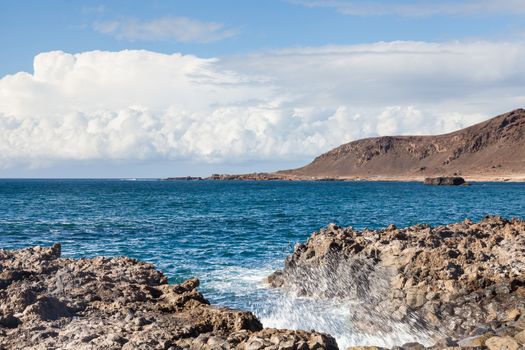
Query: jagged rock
48,308
120,303
464,280
501,343
449,280
520,337
475,341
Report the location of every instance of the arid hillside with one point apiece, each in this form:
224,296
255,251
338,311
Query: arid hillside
492,149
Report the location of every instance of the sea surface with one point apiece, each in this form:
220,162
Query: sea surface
232,234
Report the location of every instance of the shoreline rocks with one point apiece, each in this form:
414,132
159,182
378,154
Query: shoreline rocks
247,177
278,176
464,281
445,181
49,302
461,284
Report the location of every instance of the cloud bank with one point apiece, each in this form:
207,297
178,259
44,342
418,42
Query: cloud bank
285,105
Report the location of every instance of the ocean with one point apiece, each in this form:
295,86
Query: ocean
231,235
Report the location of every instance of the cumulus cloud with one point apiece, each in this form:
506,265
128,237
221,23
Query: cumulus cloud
422,8
181,29
285,105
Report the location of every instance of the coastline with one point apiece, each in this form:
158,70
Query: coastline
121,303
411,278
379,178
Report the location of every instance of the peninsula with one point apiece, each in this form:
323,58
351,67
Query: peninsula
493,150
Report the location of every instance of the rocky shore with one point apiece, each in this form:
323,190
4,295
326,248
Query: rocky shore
282,176
459,286
462,284
48,302
268,177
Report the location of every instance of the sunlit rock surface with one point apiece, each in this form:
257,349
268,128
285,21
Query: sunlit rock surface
455,286
47,302
458,285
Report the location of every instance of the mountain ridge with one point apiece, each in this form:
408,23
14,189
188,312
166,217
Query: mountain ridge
493,149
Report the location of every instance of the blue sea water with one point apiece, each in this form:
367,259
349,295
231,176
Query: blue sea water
228,234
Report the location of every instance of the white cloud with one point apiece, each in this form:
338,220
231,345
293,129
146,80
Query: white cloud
422,8
181,29
286,105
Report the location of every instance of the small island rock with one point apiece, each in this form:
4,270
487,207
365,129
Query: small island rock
445,181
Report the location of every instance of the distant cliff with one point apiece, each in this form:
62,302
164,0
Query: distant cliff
491,149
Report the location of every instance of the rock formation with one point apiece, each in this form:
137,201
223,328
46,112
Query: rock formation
47,302
445,181
492,149
184,178
251,177
464,283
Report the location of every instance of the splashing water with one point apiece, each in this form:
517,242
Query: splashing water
348,299
335,317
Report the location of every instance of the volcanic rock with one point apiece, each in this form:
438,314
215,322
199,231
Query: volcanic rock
247,177
464,280
48,302
445,181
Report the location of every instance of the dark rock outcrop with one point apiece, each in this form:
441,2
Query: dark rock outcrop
47,302
248,177
465,281
445,181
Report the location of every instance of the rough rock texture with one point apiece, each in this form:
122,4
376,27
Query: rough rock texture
266,177
492,149
184,178
445,181
251,177
47,302
465,281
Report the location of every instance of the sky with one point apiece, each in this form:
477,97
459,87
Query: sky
174,88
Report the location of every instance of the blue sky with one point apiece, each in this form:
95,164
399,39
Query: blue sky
30,27
164,88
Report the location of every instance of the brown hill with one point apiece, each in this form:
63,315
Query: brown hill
494,149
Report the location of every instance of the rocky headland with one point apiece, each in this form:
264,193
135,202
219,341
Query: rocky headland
462,284
266,177
493,150
48,302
